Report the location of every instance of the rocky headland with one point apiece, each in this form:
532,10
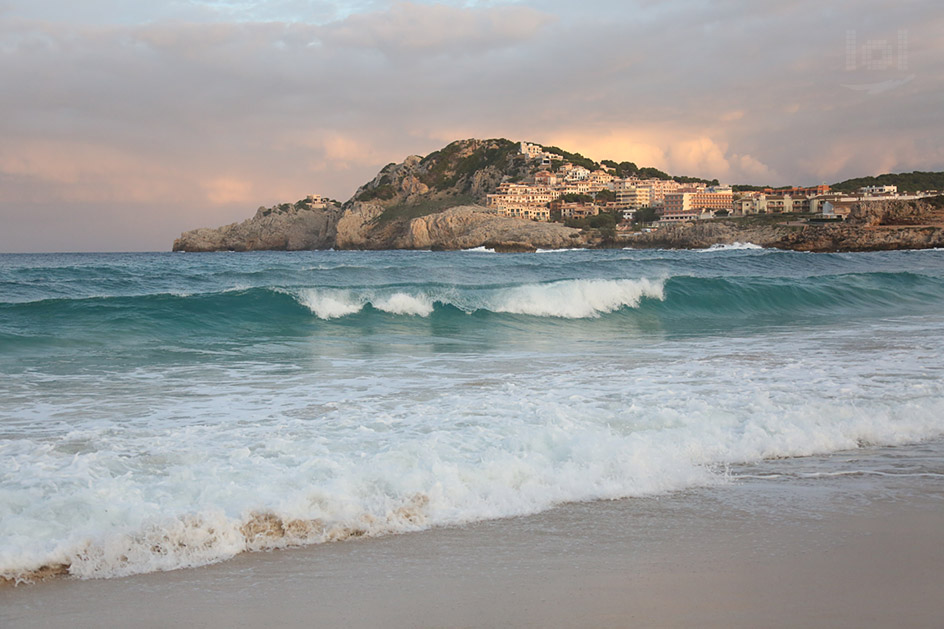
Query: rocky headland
437,202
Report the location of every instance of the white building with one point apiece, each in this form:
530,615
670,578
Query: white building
533,151
879,189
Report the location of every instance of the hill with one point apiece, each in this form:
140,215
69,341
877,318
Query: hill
916,181
437,202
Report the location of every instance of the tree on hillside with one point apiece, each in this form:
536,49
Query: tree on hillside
645,215
572,197
605,196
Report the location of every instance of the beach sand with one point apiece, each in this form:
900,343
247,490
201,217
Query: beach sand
857,550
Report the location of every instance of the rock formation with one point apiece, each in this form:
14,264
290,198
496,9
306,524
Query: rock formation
288,229
432,202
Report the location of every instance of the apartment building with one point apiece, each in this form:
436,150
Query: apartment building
530,212
578,210
634,198
708,200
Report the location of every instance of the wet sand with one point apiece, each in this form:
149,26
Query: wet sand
859,551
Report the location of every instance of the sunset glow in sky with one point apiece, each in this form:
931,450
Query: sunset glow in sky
123,123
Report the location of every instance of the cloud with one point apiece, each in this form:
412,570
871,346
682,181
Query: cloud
699,155
414,29
226,190
195,117
81,172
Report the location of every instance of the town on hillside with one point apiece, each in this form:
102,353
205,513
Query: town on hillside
562,191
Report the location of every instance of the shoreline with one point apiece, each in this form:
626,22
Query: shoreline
780,546
870,226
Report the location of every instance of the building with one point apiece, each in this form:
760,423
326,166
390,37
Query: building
713,199
879,190
576,187
658,189
799,192
601,177
678,216
545,178
633,198
747,204
578,210
530,212
522,200
533,151
779,204
675,203
704,201
316,202
574,173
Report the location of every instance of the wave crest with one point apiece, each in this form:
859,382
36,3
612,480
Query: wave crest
405,304
577,299
567,299
330,304
734,246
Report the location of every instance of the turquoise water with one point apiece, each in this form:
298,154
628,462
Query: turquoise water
168,410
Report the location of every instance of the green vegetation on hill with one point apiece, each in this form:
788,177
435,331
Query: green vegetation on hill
907,182
741,187
916,181
574,158
622,169
445,168
629,169
684,179
409,211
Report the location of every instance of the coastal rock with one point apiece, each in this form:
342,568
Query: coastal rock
703,234
893,212
354,226
286,230
473,226
850,238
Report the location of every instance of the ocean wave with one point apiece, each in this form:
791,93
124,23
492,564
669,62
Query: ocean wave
575,299
670,298
734,246
545,449
568,299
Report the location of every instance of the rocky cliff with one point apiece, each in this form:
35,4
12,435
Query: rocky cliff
432,202
280,229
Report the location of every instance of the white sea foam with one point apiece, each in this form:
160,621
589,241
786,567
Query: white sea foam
330,304
734,246
569,299
384,461
365,451
576,299
405,304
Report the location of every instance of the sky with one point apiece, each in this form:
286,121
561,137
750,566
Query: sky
124,123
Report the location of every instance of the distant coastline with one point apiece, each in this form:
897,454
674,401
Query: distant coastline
519,197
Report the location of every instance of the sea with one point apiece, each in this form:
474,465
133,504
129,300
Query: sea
171,410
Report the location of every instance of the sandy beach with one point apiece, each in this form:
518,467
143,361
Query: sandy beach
857,548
